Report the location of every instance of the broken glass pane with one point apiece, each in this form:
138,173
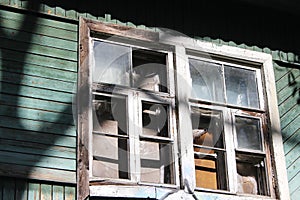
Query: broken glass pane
207,127
109,115
155,119
156,162
207,80
251,174
111,63
241,87
149,70
248,133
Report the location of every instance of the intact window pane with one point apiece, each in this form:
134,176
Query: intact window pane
110,157
207,80
248,133
210,169
241,87
111,63
155,119
207,127
149,70
110,154
251,174
156,162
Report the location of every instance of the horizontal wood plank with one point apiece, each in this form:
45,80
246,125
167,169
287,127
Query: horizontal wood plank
41,21
37,149
29,58
26,91
38,115
27,102
37,161
38,126
38,82
37,137
38,173
39,39
37,70
39,29
38,49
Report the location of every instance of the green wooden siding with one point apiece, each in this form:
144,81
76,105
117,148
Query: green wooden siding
38,70
288,87
21,189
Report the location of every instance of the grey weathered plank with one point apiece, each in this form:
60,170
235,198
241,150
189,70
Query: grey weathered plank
38,82
29,58
46,192
37,70
40,39
33,191
37,161
38,49
70,193
38,173
39,126
37,137
58,192
37,149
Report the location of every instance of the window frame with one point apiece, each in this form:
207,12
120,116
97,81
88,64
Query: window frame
180,48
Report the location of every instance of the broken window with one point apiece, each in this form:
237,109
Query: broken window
131,103
209,152
233,89
133,129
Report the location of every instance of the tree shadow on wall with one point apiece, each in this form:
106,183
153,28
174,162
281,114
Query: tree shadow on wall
15,43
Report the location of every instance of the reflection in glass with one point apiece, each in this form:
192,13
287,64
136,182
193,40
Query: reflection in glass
248,133
156,162
207,80
241,87
111,63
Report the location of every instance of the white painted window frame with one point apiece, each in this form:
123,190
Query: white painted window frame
187,179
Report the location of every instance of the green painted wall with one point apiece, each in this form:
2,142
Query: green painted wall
38,71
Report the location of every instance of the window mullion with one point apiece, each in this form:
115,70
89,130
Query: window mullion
184,123
230,151
135,128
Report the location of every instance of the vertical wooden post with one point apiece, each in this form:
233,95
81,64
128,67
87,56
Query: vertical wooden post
83,107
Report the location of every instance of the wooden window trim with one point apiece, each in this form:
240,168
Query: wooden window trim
181,45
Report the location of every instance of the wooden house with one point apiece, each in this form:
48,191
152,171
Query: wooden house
149,100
